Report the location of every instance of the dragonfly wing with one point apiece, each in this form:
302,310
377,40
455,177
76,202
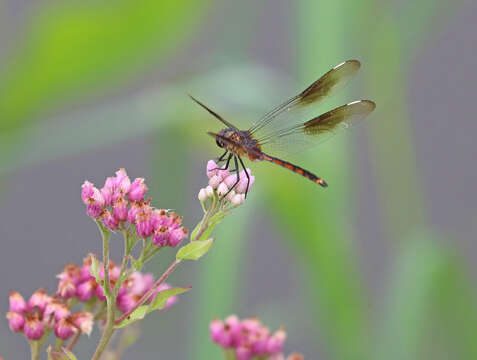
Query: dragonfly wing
326,85
316,130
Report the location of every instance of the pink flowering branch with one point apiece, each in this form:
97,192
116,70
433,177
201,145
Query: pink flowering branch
150,293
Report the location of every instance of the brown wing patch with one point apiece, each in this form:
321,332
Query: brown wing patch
331,119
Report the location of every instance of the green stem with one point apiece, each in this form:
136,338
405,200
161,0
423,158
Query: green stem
107,333
110,301
35,350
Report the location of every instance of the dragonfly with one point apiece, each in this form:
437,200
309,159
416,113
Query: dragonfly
283,128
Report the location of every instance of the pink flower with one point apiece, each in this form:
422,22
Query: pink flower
144,226
39,299
66,288
33,328
122,183
177,235
86,290
57,309
107,191
133,211
211,168
109,220
17,302
249,338
83,320
16,321
65,329
276,341
93,199
138,190
120,210
127,301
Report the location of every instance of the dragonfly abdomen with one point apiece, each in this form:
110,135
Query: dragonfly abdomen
296,169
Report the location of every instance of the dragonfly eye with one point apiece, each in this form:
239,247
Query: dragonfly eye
219,143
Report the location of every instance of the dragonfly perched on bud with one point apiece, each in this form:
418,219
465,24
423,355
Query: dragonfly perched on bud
282,128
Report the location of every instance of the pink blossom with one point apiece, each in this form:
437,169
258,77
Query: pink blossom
16,321
86,290
65,329
109,220
107,191
33,328
144,226
120,210
93,199
17,302
39,299
276,341
66,288
122,182
84,321
57,309
138,190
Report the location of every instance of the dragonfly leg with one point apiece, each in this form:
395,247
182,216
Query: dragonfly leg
246,173
221,158
238,177
226,164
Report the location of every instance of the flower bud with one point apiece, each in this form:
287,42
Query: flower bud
33,328
214,181
144,227
16,321
107,191
202,195
120,210
122,182
211,168
57,309
161,236
84,321
39,299
276,341
177,235
222,189
65,329
66,288
17,302
86,290
209,191
109,220
138,190
238,199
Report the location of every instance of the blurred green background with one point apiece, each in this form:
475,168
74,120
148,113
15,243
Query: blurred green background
380,265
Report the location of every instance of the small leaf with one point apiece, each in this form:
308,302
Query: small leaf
136,264
161,297
194,250
136,315
213,222
194,232
69,354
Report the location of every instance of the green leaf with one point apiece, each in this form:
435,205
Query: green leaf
194,250
161,298
69,354
136,315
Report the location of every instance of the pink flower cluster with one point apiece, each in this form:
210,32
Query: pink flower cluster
44,312
247,338
223,182
77,282
121,203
